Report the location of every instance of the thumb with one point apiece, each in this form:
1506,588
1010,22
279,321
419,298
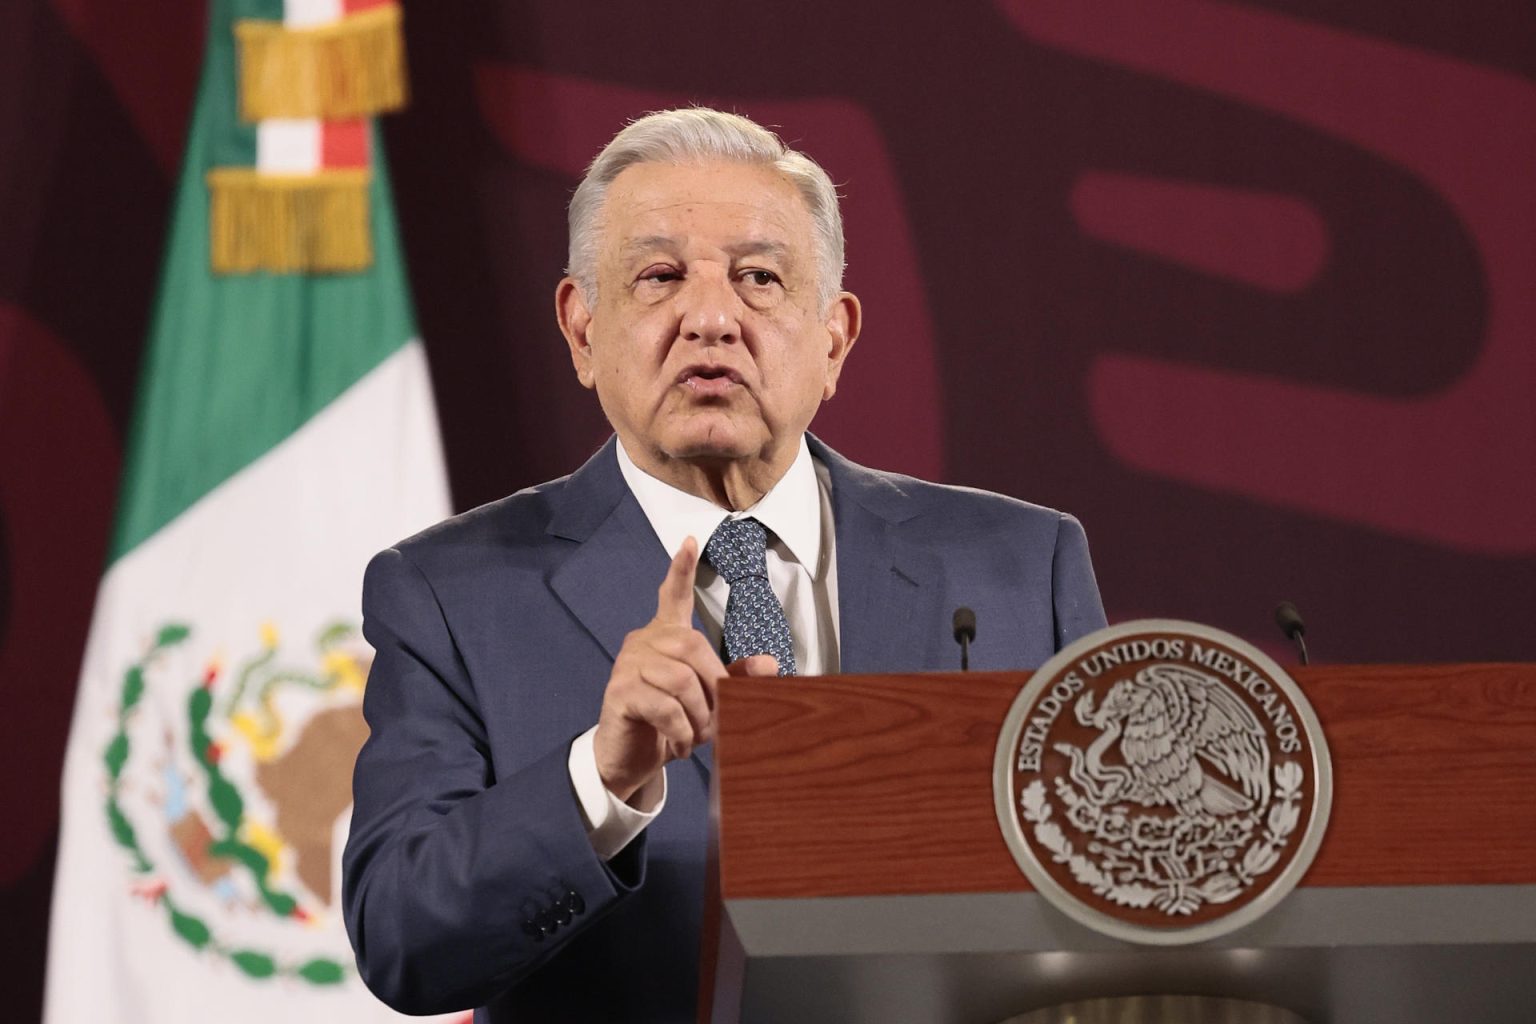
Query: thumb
674,598
754,665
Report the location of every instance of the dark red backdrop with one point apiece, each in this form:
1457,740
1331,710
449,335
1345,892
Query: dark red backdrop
1246,287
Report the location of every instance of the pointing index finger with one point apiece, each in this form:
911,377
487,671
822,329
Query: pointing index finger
674,598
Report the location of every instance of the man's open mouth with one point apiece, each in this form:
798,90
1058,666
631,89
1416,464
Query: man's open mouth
710,380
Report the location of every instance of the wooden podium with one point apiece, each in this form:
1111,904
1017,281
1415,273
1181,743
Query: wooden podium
862,875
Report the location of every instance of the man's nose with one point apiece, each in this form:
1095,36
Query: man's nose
709,310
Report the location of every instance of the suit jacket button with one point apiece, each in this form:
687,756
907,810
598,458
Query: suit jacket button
574,901
533,931
561,913
546,920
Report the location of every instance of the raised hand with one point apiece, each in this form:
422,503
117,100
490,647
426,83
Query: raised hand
660,700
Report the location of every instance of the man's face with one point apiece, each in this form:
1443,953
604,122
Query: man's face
708,340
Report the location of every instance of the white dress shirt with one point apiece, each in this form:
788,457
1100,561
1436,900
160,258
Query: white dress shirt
802,569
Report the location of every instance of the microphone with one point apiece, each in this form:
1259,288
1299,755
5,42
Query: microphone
1289,621
965,632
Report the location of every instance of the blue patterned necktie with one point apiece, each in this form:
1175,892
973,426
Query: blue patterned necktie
754,619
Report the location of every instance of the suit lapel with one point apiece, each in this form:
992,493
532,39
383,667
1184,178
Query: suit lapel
887,593
609,581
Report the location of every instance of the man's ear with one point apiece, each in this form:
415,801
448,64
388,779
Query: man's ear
575,318
843,323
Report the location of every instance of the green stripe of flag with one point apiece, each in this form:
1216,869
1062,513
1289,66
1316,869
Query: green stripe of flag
235,364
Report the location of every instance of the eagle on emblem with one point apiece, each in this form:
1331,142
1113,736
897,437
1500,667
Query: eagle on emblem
1173,725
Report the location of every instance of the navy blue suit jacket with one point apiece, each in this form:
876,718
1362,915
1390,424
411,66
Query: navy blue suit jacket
468,876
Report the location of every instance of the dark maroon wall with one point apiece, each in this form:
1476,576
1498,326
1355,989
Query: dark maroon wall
1246,287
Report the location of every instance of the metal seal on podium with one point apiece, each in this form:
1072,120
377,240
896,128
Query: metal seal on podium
1162,782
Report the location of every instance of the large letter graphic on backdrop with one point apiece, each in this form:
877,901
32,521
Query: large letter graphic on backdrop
56,442
1450,468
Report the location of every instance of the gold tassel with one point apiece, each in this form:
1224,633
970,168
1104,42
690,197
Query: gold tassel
348,68
288,223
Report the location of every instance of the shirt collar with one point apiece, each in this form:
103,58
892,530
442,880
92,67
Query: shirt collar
791,509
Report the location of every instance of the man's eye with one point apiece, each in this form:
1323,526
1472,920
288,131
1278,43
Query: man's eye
661,275
760,278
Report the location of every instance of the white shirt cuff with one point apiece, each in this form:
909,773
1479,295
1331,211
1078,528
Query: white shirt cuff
611,823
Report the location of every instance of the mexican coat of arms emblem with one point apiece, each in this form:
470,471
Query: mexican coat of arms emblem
1162,782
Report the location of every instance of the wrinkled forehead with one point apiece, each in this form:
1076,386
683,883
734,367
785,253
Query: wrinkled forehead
737,207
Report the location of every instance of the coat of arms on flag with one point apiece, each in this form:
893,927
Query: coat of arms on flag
247,797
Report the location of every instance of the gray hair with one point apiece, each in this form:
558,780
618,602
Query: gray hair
695,135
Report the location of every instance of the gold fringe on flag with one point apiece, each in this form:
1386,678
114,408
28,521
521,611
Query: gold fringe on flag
348,68
288,223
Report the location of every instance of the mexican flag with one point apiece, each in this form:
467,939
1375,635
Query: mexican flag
284,431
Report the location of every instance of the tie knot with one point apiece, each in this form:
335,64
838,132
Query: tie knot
738,549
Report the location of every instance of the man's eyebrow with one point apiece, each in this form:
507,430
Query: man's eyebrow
649,243
637,247
762,247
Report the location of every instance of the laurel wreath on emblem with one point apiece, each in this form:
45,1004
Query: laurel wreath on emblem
1174,865
224,797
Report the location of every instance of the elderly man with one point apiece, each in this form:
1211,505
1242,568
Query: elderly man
530,821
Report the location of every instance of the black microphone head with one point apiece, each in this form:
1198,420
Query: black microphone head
965,624
1289,620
